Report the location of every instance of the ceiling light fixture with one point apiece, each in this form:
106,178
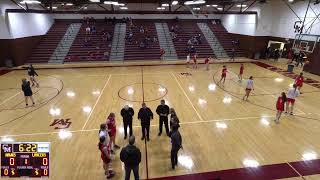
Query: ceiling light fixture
165,5
124,8
175,2
30,2
114,3
241,5
194,2
161,8
95,1
69,4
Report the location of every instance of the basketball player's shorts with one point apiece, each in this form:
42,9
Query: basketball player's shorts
291,101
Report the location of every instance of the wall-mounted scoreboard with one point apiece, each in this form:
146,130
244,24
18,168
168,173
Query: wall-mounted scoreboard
25,159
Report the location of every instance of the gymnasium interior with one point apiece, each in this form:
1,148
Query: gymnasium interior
94,58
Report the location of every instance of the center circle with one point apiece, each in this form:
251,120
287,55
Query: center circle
136,92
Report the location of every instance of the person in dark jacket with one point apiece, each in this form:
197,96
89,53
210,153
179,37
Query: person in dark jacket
173,118
27,91
163,112
145,115
176,142
32,73
131,157
127,113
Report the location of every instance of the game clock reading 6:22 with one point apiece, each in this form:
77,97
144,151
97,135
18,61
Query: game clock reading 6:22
21,159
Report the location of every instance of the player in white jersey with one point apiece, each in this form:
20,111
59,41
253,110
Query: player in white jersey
291,95
249,88
188,60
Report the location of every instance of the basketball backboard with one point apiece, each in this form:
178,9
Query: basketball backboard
305,42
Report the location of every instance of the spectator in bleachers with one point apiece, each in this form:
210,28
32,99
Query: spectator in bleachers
199,38
84,20
189,43
108,36
173,35
93,20
130,36
106,54
114,20
172,29
177,28
142,45
93,29
148,39
155,39
88,31
104,36
86,42
106,20
141,30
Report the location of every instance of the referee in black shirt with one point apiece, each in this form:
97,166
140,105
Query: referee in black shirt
163,112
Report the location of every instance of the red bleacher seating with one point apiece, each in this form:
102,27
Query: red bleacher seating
133,50
43,52
96,48
186,31
225,39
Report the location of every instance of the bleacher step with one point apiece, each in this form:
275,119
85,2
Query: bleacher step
165,41
63,47
118,42
213,41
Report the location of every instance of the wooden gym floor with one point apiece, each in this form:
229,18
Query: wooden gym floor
222,134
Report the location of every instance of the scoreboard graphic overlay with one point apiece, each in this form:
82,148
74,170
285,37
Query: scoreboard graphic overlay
25,159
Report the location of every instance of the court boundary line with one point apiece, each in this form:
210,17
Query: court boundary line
94,106
41,105
145,138
185,94
10,98
295,170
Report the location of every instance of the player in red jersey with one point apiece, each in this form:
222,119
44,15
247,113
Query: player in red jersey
111,123
299,82
224,73
207,62
280,106
195,63
241,72
106,156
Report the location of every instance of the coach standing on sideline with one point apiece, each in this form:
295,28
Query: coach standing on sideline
176,142
131,157
163,112
145,115
127,113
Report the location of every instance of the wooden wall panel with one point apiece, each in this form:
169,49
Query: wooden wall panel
4,51
17,49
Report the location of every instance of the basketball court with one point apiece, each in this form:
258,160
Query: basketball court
220,131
